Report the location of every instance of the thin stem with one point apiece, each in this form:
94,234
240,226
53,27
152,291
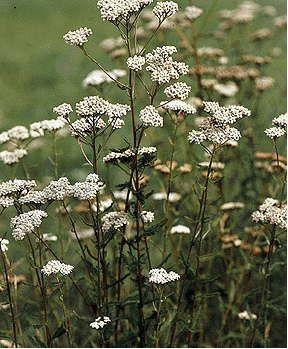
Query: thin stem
14,331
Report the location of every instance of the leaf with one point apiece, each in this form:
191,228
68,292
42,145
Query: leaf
59,332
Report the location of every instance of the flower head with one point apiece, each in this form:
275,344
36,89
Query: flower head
77,37
161,276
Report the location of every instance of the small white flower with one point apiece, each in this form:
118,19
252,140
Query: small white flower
63,110
100,322
275,132
135,63
245,315
180,229
178,90
4,245
165,9
150,117
161,276
77,37
55,267
147,216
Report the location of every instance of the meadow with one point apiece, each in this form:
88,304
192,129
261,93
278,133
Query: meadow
154,214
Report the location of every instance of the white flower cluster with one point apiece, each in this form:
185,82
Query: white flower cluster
180,229
115,220
57,190
6,202
12,157
16,133
279,129
88,189
179,106
38,129
147,216
165,9
63,110
100,322
115,10
275,132
161,276
193,12
16,186
245,315
115,157
162,67
26,223
271,212
98,77
4,245
147,150
93,106
173,197
77,37
216,128
178,90
280,120
136,62
84,126
150,117
55,267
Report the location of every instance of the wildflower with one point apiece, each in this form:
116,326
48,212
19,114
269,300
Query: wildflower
173,197
161,276
114,10
231,206
98,77
264,83
4,137
49,237
18,133
37,129
12,157
280,121
271,212
275,132
180,229
88,189
26,223
103,205
165,9
193,12
100,322
4,245
34,196
135,63
55,267
280,21
6,202
150,117
178,106
87,125
227,90
216,128
91,106
245,315
115,157
82,234
57,190
147,216
147,151
214,165
210,52
162,67
16,186
77,37
115,220
178,90
63,110
121,195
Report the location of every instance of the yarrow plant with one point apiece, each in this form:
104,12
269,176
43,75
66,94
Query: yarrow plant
170,213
